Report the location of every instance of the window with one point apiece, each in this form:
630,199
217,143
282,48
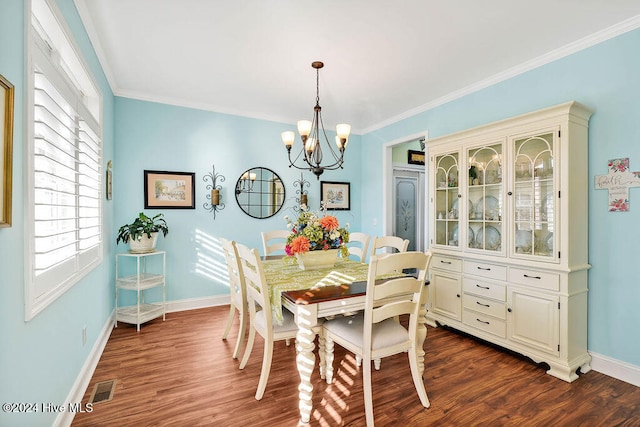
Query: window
64,181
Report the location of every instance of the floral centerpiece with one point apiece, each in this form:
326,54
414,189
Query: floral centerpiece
311,232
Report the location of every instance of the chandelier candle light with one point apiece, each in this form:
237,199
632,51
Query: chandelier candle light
246,182
310,134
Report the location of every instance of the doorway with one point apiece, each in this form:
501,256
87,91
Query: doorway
402,184
409,205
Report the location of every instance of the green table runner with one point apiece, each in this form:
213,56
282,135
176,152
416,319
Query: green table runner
284,276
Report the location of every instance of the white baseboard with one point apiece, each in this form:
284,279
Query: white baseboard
615,368
76,394
64,419
195,303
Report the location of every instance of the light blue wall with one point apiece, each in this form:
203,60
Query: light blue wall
606,78
153,136
40,359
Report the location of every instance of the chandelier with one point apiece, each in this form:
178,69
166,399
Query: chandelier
311,132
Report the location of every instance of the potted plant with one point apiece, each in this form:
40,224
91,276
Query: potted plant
315,241
142,233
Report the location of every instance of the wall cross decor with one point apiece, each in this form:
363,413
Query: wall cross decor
618,181
303,201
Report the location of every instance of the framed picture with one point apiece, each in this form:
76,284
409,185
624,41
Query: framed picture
336,195
6,150
415,157
109,189
169,190
277,195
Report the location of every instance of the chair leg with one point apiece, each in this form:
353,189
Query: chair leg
417,378
241,334
323,355
266,368
368,395
247,351
232,312
376,364
328,343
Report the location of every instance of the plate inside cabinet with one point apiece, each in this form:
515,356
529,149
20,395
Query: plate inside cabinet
456,204
549,243
523,241
488,208
546,208
488,237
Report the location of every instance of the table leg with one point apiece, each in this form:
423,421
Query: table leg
305,360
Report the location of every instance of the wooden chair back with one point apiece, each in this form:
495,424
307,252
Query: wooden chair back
396,244
255,282
404,291
358,245
236,276
274,241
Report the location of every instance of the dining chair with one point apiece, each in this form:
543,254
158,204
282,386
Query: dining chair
358,245
238,295
274,241
396,244
374,333
389,242
261,319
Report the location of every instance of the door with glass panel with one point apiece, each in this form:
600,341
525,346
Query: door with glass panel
447,199
534,196
408,217
485,231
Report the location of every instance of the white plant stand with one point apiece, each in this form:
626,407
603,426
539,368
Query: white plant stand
142,280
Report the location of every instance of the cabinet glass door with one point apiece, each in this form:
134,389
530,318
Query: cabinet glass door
485,203
447,200
534,202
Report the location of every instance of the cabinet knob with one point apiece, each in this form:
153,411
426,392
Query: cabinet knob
509,309
510,193
459,196
458,295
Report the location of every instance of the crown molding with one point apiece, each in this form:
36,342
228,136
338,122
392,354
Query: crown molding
581,44
90,28
571,48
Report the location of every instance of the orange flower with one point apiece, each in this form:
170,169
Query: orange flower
300,245
329,222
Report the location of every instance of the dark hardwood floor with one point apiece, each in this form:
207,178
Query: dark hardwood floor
180,373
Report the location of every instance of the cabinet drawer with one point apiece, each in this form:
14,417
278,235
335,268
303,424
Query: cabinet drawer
484,306
485,323
538,279
490,271
483,289
446,263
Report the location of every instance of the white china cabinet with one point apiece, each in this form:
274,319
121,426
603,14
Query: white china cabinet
508,209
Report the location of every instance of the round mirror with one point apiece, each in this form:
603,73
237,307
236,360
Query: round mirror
260,192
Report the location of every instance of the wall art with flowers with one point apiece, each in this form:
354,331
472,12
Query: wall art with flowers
618,181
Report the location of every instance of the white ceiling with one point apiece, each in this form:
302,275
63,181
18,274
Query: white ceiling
384,59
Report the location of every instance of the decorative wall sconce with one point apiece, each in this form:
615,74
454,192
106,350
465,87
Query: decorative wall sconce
245,183
214,205
303,200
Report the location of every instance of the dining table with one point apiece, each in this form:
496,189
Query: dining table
312,295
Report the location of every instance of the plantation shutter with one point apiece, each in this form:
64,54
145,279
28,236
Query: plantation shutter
65,165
